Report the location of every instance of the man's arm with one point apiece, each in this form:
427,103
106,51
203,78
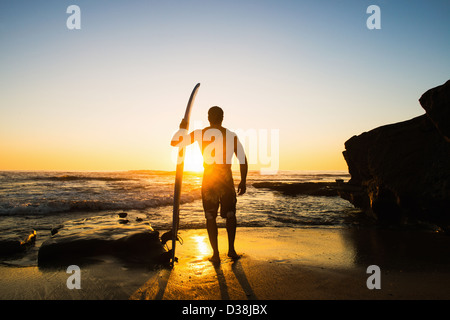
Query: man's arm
243,165
182,138
242,185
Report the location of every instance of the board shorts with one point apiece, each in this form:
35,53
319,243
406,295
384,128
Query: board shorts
218,191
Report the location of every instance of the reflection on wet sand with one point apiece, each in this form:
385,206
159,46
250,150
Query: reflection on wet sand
398,249
195,277
276,263
306,264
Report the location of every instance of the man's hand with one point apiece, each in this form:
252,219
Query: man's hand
183,124
242,188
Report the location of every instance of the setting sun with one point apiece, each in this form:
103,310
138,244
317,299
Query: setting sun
194,159
224,150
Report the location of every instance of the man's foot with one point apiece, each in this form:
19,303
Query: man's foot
215,259
233,255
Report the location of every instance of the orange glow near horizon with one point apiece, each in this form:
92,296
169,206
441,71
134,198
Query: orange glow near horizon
193,160
110,96
64,158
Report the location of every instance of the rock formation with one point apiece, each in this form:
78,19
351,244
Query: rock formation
326,189
81,242
436,103
401,172
13,243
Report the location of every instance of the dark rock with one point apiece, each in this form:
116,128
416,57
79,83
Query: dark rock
356,194
55,230
11,244
436,103
123,215
327,189
79,245
401,171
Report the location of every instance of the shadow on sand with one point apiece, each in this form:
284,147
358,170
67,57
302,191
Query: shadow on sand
232,283
239,274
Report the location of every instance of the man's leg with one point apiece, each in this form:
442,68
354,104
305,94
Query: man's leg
211,226
231,231
211,205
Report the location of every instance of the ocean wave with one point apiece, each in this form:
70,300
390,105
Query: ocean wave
64,206
46,176
77,177
35,195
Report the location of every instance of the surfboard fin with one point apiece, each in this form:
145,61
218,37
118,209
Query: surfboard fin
166,236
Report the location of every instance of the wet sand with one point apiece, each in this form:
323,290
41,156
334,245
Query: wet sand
276,264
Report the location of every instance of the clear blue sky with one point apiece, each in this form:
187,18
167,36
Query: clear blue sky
110,95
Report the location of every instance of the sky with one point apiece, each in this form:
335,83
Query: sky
110,95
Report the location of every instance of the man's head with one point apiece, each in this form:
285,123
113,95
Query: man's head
215,115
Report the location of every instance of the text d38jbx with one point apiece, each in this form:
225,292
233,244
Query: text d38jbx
247,310
231,309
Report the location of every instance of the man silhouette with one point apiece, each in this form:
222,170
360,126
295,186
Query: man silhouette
218,145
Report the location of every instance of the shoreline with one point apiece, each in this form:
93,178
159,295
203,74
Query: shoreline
276,264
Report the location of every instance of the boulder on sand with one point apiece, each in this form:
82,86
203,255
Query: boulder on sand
401,172
82,243
11,244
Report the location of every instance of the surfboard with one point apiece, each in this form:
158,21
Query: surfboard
179,178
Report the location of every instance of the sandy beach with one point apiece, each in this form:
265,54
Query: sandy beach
321,129
276,264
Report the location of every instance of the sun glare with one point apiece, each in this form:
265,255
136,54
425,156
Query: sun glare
202,247
193,160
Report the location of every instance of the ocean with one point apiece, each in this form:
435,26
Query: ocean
43,200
